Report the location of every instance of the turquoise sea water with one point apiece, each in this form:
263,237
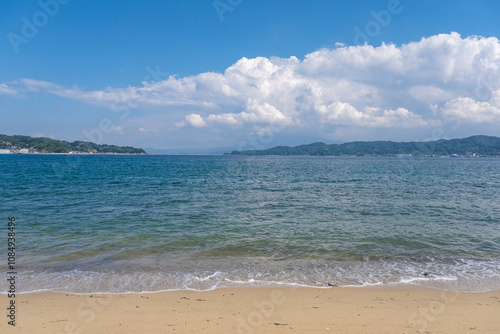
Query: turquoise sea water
151,223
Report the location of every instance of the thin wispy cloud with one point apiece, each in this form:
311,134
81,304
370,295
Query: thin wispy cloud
11,91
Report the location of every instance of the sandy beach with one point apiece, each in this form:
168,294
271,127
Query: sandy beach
258,310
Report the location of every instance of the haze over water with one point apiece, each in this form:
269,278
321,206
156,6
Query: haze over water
149,223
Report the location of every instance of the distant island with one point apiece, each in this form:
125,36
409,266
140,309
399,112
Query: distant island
471,146
32,145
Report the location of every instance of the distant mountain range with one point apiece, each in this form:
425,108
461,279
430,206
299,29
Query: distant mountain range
475,145
27,144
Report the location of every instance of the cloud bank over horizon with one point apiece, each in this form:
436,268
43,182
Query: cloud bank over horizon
347,92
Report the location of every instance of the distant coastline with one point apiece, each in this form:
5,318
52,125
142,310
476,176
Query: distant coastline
29,145
475,146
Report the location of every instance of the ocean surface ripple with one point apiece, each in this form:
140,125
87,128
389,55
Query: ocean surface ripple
89,224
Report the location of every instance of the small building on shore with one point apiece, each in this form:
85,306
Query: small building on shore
5,151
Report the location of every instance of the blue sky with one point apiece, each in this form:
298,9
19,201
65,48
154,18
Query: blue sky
207,75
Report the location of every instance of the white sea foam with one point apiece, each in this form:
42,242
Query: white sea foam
457,275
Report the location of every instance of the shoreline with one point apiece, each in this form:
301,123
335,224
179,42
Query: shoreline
259,310
326,286
40,153
83,282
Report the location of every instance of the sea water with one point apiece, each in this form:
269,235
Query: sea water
117,224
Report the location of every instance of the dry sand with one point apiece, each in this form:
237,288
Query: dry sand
258,310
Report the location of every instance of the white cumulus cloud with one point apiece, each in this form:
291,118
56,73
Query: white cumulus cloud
469,110
409,86
195,120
